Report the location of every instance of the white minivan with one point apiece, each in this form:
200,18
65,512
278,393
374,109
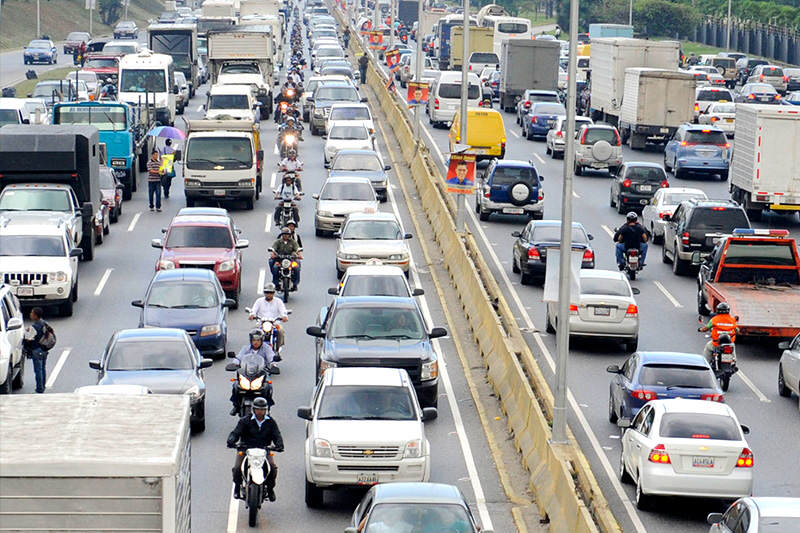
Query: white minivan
445,97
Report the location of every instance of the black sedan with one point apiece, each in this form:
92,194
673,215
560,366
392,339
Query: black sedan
529,253
635,184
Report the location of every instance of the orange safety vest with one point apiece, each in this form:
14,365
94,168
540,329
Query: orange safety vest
722,324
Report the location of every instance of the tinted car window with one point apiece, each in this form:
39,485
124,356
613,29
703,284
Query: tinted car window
374,286
199,237
26,245
611,287
594,135
543,97
345,402
336,93
348,132
347,191
759,253
509,175
410,517
723,219
205,153
772,71
372,230
229,101
512,27
548,109
100,62
699,426
183,296
678,375
483,57
41,200
349,113
553,234
760,88
706,137
645,173
453,90
150,355
713,96
357,162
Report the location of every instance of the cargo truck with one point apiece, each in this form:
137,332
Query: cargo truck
765,171
654,103
480,40
429,19
216,15
611,57
105,463
259,7
243,49
180,42
526,64
442,45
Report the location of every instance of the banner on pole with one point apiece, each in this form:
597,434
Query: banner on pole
417,93
461,174
376,40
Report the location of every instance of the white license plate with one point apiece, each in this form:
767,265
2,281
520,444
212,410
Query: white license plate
644,202
703,462
513,210
479,151
664,130
219,192
645,188
602,311
24,291
367,479
726,358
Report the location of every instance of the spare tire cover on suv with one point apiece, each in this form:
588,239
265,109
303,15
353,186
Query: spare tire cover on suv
601,150
520,192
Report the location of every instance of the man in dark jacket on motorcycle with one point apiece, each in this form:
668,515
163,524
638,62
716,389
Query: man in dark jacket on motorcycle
631,235
258,430
285,246
258,348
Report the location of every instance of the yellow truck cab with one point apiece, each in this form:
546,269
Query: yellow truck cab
486,133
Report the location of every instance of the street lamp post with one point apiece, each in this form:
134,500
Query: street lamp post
630,13
728,31
461,211
38,21
418,71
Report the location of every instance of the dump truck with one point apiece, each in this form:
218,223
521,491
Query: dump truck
526,64
480,40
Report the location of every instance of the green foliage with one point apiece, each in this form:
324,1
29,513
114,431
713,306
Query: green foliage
109,10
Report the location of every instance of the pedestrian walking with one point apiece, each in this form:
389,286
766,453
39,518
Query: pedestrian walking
363,61
39,339
167,166
154,174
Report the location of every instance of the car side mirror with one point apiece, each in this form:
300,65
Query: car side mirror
26,121
624,422
613,369
260,155
666,218
516,234
231,355
304,413
14,323
417,292
351,530
232,367
408,236
175,89
783,345
590,236
635,290
137,303
337,234
229,302
156,243
178,155
713,518
76,252
334,291
363,99
696,258
310,99
242,243
437,332
315,196
745,429
94,364
315,331
205,362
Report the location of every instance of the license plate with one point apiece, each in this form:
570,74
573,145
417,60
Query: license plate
644,202
24,291
367,479
703,462
479,151
513,210
726,358
120,173
219,192
645,188
664,130
728,120
602,311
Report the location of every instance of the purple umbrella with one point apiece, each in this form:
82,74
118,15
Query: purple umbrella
167,132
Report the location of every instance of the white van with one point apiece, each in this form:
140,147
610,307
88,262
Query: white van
149,77
12,111
445,96
232,102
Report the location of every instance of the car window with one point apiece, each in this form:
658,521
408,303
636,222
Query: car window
731,517
645,173
107,179
605,287
372,230
579,123
593,135
639,419
357,402
552,233
504,175
772,71
719,219
685,376
629,367
546,108
374,286
172,295
760,253
150,354
377,323
418,517
357,162
349,113
31,246
35,200
484,57
205,153
336,93
714,137
453,90
712,95
699,426
199,237
722,108
744,521
229,101
348,133
347,191
5,312
647,424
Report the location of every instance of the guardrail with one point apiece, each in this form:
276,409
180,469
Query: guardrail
560,476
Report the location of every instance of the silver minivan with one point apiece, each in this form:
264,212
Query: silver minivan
445,97
772,74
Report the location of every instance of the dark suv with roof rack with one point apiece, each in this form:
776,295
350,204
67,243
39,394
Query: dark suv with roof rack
696,226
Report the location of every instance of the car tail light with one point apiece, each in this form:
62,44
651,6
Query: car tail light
714,119
643,394
684,143
685,238
659,455
777,97
588,255
761,77
527,103
786,79
533,253
751,96
583,137
619,141
696,107
559,134
503,144
470,67
534,119
713,397
541,194
436,103
626,183
664,214
487,194
718,209
664,184
727,349
745,459
573,309
632,310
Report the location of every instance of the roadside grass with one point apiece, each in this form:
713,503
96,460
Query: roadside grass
25,87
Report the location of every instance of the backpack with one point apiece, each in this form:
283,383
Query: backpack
48,339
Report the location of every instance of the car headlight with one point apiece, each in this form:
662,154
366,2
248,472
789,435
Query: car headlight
430,370
194,390
55,276
118,162
326,214
213,329
349,257
325,365
322,448
191,183
165,264
413,449
226,266
398,257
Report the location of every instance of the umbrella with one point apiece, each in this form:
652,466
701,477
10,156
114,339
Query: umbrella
167,132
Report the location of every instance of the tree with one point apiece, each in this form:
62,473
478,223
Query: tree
109,11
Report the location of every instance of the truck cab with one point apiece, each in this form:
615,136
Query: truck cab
147,79
232,101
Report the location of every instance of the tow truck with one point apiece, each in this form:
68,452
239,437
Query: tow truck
757,272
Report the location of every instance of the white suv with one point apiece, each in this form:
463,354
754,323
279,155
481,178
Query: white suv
598,147
39,262
364,426
12,362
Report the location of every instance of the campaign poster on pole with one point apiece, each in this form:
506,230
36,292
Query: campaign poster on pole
461,174
417,93
376,40
392,59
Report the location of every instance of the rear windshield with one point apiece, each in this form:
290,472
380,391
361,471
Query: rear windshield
583,62
761,88
706,137
604,287
646,173
543,97
759,253
594,135
484,57
509,175
337,71
199,237
453,90
229,101
549,109
9,116
792,72
348,132
512,27
578,124
336,93
375,286
553,234
711,95
682,376
726,62
358,162
699,426
718,219
772,71
347,191
99,62
723,108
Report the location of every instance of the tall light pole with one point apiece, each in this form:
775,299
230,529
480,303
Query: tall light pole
38,24
462,198
418,71
391,26
630,13
728,32
565,263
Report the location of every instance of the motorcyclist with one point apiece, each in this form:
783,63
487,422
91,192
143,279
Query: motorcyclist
721,323
270,307
292,225
293,125
282,97
288,191
256,347
291,163
285,246
258,430
693,60
630,235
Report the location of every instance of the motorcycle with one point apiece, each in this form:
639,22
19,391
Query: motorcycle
271,327
287,265
252,381
723,361
632,264
287,140
255,470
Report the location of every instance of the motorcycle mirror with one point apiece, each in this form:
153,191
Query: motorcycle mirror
635,290
231,355
232,367
274,369
696,258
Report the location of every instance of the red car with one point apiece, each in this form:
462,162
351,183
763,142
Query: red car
204,241
105,66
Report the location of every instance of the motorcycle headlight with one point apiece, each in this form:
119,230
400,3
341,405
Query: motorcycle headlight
430,370
322,448
244,383
289,139
117,162
266,327
165,264
213,329
55,276
286,263
257,383
194,390
413,449
226,266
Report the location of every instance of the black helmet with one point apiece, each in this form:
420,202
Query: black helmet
632,217
256,334
260,403
723,308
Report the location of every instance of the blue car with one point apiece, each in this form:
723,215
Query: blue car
792,98
40,51
190,299
698,149
509,187
540,118
649,376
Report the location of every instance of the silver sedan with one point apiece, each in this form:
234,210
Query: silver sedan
372,236
789,369
664,203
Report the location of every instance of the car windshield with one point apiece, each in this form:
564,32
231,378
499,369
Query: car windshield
358,402
104,118
552,233
594,135
699,426
719,219
141,80
46,89
375,286
604,287
39,45
357,162
349,113
512,27
35,200
330,51
674,198
507,175
419,517
372,230
377,323
31,246
676,375
760,88
646,173
149,354
199,237
484,57
77,36
9,116
182,295
548,109
228,101
712,95
715,137
336,93
453,90
722,108
100,62
349,133
347,191
239,68
206,153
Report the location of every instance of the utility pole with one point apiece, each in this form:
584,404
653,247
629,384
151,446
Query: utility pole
126,3
38,21
630,13
564,266
728,31
391,24
418,71
461,210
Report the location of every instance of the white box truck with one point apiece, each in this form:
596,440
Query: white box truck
526,64
611,57
102,463
765,171
654,103
243,49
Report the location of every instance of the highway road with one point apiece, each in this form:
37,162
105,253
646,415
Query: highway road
12,69
668,322
124,265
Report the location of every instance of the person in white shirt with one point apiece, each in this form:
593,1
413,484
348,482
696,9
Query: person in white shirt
270,307
291,163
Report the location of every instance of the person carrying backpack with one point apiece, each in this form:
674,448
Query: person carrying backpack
39,340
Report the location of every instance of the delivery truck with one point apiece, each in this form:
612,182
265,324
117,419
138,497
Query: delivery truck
526,64
105,463
244,49
480,40
654,103
180,42
765,171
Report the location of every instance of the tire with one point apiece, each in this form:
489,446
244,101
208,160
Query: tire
249,204
679,174
74,294
189,202
632,275
667,168
314,496
547,150
725,382
783,390
578,170
114,216
107,229
514,268
19,380
528,135
624,477
483,215
87,245
632,345
525,279
642,500
701,304
5,387
612,417
620,207
286,293
664,258
657,239
252,505
98,238
548,326
679,266
199,425
611,199
65,309
339,273
318,232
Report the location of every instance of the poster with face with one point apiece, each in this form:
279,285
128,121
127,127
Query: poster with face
461,174
417,93
392,58
376,40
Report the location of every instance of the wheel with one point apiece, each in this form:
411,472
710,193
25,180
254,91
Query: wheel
318,232
19,380
578,170
314,495
724,382
679,266
632,345
548,326
483,215
620,207
514,268
632,275
339,273
657,239
525,279
65,309
642,500
5,387
106,228
114,215
253,502
199,425
664,258
189,202
701,304
87,245
286,288
249,204
783,390
612,417
528,134
98,238
666,165
679,174
624,477
611,199
547,150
